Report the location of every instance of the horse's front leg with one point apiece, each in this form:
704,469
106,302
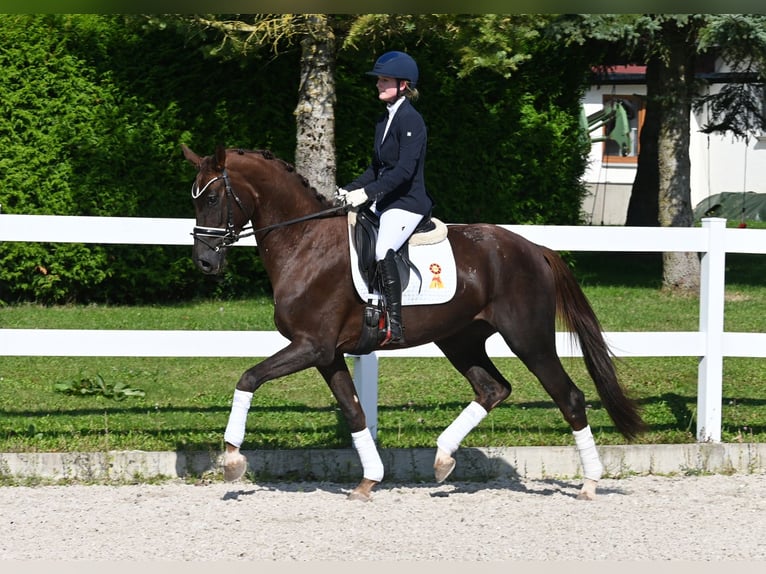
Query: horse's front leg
293,358
342,386
234,462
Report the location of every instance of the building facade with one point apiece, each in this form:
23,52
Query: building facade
719,163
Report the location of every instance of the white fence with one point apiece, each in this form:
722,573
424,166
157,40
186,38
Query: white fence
710,343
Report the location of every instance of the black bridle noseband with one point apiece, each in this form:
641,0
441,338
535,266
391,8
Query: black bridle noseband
229,235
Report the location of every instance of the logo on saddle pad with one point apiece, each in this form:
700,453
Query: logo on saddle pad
431,254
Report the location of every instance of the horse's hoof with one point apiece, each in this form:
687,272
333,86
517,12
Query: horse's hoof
363,492
443,468
234,466
588,491
361,496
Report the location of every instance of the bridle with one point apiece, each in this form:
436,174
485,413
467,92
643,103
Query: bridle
229,235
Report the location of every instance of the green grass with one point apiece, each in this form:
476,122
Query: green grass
186,401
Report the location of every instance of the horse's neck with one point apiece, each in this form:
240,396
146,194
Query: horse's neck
282,198
297,254
286,213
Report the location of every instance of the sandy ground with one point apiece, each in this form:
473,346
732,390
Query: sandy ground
693,518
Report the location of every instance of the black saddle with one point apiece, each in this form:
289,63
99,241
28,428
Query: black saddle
365,236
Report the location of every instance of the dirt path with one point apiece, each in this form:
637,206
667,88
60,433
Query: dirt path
698,518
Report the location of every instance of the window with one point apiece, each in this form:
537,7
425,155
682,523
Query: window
623,129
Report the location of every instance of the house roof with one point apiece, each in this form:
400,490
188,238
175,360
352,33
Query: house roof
636,74
623,74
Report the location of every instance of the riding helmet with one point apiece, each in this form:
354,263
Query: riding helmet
396,65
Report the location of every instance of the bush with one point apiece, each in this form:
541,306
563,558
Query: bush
95,107
89,128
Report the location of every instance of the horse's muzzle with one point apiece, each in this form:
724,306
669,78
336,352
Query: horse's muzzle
207,260
207,267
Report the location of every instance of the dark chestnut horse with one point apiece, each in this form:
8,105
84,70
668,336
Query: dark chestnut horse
505,284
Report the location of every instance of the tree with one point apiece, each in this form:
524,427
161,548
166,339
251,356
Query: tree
505,132
315,109
670,45
680,270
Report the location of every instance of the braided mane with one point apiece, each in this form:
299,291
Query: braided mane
269,155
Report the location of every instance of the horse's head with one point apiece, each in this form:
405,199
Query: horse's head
221,213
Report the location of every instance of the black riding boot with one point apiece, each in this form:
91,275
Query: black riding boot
391,287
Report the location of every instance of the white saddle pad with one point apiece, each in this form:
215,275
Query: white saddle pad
436,264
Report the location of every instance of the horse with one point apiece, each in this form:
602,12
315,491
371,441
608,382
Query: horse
504,284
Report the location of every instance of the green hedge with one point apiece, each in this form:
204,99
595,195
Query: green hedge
94,108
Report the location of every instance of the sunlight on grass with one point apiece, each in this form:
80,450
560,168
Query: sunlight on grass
186,400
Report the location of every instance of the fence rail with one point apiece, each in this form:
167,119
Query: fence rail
710,343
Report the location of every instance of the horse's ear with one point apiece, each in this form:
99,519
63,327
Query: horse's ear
220,157
191,156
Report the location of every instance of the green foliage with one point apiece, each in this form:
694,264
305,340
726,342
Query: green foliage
97,386
738,106
89,128
94,107
502,142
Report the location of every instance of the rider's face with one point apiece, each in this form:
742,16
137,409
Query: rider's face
387,88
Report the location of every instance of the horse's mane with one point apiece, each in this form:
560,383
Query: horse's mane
269,155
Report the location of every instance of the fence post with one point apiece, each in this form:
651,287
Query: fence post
366,383
710,371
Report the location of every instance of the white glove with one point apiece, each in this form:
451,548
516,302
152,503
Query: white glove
340,196
356,197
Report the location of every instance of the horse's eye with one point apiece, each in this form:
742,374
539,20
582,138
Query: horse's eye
212,198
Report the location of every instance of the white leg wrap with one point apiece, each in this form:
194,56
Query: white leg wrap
235,429
453,435
591,463
364,444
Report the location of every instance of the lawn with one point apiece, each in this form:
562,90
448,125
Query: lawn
183,403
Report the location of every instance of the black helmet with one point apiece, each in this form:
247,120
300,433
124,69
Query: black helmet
396,65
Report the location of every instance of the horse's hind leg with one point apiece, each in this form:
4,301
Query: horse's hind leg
570,400
467,354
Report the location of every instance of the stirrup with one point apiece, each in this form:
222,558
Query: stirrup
395,331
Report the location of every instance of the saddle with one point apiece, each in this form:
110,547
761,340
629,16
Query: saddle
365,226
365,235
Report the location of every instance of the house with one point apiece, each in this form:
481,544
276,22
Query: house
719,163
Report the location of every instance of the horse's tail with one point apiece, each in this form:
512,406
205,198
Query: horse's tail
574,310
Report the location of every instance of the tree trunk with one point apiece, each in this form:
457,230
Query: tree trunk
643,206
676,73
315,112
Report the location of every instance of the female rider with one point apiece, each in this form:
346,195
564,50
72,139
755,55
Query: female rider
394,181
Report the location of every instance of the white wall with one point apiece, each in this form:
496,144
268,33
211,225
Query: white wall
718,164
723,163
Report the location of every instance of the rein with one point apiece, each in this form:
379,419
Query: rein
228,235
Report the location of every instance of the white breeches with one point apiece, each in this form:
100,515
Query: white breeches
396,226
